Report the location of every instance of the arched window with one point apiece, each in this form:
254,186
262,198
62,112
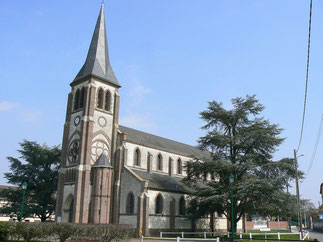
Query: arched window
159,204
82,99
179,166
137,157
100,98
107,105
181,206
159,162
77,99
71,210
90,212
130,204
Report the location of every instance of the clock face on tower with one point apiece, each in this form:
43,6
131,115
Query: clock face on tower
73,153
77,120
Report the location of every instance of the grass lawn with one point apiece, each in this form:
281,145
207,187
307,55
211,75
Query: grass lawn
255,237
261,237
271,231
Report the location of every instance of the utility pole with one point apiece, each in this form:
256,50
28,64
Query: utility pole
297,194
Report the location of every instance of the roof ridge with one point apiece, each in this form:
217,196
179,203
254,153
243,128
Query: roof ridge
164,144
161,137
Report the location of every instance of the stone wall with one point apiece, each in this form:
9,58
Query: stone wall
277,225
270,224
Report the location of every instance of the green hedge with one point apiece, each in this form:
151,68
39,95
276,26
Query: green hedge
11,231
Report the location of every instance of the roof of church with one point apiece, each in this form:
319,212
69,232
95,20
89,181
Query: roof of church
163,182
102,161
97,62
164,144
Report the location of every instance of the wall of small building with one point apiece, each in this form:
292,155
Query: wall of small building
221,223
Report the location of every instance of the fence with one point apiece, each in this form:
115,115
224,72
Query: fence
205,235
182,234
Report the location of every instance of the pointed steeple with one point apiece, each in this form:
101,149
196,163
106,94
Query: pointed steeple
97,62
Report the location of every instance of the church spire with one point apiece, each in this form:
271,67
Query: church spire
97,62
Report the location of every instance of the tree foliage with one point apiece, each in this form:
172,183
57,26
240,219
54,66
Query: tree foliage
38,166
241,143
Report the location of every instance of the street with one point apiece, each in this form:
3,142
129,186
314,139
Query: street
316,235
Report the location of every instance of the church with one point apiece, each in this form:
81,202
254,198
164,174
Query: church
115,174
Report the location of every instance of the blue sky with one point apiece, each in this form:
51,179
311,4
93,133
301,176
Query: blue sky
171,57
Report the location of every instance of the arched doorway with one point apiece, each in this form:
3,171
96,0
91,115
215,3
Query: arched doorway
71,211
68,209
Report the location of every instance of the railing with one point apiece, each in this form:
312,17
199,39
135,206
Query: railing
206,234
278,235
182,234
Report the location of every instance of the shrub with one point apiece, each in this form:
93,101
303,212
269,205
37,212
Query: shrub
4,231
107,233
64,230
28,231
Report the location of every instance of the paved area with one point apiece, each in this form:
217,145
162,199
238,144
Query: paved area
316,235
172,240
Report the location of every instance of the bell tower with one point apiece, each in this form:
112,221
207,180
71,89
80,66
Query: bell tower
89,139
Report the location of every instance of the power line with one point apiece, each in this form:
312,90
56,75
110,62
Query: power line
306,79
317,142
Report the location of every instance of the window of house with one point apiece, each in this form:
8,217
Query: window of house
107,105
182,206
159,162
130,204
77,99
100,98
179,166
159,204
137,157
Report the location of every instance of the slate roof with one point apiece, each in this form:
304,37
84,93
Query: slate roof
163,182
102,161
164,144
97,62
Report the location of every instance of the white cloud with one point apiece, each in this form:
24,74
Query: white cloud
136,121
7,106
137,90
31,116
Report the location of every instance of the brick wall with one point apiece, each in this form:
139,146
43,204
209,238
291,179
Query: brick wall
276,225
250,225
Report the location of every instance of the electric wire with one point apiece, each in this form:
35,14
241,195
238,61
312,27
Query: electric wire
317,142
306,79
